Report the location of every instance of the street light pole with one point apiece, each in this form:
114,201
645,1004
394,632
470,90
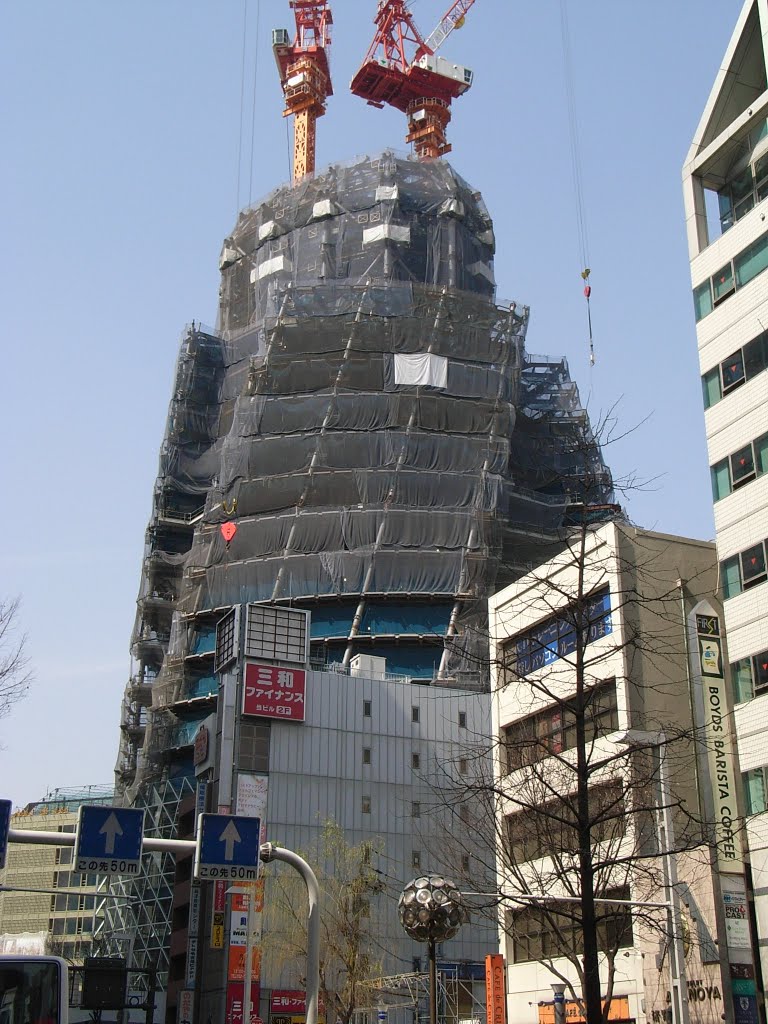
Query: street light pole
432,981
270,852
678,986
431,910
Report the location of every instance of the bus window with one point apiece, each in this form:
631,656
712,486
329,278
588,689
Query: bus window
32,991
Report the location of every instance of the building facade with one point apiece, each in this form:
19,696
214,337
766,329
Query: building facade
611,622
42,900
724,181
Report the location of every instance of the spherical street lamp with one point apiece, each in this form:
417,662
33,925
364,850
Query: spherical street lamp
431,910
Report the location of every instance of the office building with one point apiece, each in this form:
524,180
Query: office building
44,904
620,636
725,181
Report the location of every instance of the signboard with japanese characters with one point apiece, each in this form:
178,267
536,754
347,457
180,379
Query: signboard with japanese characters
270,691
236,998
288,1006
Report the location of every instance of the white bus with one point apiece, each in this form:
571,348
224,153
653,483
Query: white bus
33,990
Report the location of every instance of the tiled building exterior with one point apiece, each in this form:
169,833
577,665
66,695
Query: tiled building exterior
724,182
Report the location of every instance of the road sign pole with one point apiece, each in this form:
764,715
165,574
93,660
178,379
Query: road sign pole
248,979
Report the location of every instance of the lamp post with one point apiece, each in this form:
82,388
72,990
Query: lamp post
637,739
431,910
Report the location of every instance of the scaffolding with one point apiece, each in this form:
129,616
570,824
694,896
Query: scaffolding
368,416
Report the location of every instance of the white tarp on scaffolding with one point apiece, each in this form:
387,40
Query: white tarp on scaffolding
421,369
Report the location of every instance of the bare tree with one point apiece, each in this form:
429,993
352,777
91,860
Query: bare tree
349,886
15,676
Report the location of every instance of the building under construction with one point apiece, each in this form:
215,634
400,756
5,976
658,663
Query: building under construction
366,423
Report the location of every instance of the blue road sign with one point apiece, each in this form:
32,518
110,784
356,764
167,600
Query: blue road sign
109,840
5,824
228,847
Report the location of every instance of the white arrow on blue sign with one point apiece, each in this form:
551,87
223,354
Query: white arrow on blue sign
109,840
5,824
228,847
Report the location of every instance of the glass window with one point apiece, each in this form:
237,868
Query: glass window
733,371
366,755
754,791
761,170
463,766
710,386
752,261
721,480
416,761
722,283
414,714
730,578
753,565
741,678
756,355
726,209
415,809
742,185
462,719
415,859
760,671
702,300
366,805
742,466
758,132
743,206
366,709
761,454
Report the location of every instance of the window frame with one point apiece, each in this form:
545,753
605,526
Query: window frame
551,730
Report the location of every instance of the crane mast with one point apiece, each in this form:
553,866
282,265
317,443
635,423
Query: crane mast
423,85
305,76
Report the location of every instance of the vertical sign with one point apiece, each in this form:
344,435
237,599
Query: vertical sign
717,727
495,996
718,736
5,825
219,906
186,1006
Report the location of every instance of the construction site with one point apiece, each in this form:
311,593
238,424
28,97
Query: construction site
365,437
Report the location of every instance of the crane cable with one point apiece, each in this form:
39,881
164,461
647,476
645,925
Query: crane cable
573,138
242,105
253,102
242,137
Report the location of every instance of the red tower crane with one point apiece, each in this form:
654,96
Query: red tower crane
305,76
423,85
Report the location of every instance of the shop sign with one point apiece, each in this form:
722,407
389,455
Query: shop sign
272,691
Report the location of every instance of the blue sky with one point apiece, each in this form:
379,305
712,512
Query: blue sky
122,131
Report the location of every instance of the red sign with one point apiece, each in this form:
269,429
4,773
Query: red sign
287,1001
235,1000
495,989
200,749
219,895
274,692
